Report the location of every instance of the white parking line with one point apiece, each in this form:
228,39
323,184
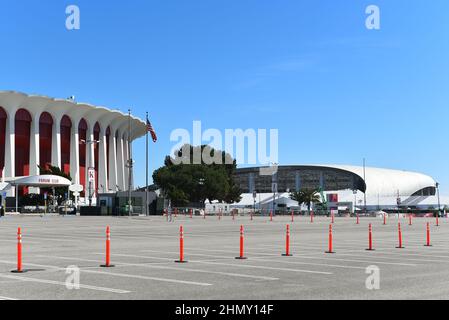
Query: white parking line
268,260
305,256
227,264
7,298
165,267
83,286
116,274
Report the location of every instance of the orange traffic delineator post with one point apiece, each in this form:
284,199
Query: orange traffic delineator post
242,243
181,246
287,243
293,216
332,218
438,222
331,245
410,220
19,252
428,236
311,217
358,219
191,214
108,249
370,238
400,237
385,219
271,215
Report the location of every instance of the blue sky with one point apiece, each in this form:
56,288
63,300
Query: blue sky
336,91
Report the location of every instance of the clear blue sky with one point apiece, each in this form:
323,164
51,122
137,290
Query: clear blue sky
336,91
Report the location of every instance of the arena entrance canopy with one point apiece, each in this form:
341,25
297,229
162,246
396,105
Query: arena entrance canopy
40,181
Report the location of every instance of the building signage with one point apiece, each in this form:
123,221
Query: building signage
91,174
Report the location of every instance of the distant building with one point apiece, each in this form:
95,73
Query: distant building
344,187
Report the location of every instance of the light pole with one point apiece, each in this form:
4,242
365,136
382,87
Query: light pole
438,195
130,164
274,186
364,179
254,198
355,201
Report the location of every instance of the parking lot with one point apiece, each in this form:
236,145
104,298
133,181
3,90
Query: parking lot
143,250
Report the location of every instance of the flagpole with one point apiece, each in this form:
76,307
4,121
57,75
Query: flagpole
146,167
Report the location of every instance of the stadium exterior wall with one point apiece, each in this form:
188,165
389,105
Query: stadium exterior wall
382,187
38,130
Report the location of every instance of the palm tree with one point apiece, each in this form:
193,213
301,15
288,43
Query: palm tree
306,196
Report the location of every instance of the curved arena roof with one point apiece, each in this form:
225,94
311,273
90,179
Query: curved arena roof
376,182
11,101
388,182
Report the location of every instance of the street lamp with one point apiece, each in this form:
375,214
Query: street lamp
355,201
274,186
437,185
254,198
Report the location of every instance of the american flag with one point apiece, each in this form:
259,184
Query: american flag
151,131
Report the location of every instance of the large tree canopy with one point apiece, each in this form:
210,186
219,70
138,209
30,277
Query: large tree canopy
188,177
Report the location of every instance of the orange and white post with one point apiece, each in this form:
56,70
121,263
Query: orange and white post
400,246
19,252
181,246
370,238
242,244
331,241
287,243
108,249
428,235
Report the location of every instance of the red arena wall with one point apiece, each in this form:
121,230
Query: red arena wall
3,118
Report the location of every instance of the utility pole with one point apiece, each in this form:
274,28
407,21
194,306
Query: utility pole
364,178
130,164
146,168
439,202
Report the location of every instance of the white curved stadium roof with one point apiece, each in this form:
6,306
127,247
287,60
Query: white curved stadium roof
387,182
11,101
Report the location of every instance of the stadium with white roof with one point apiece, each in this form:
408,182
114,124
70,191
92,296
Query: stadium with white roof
344,187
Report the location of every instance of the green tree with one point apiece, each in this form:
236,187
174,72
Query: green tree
307,197
189,176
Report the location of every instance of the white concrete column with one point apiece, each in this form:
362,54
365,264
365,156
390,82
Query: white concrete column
56,143
10,160
34,150
102,163
75,153
113,161
90,162
120,163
